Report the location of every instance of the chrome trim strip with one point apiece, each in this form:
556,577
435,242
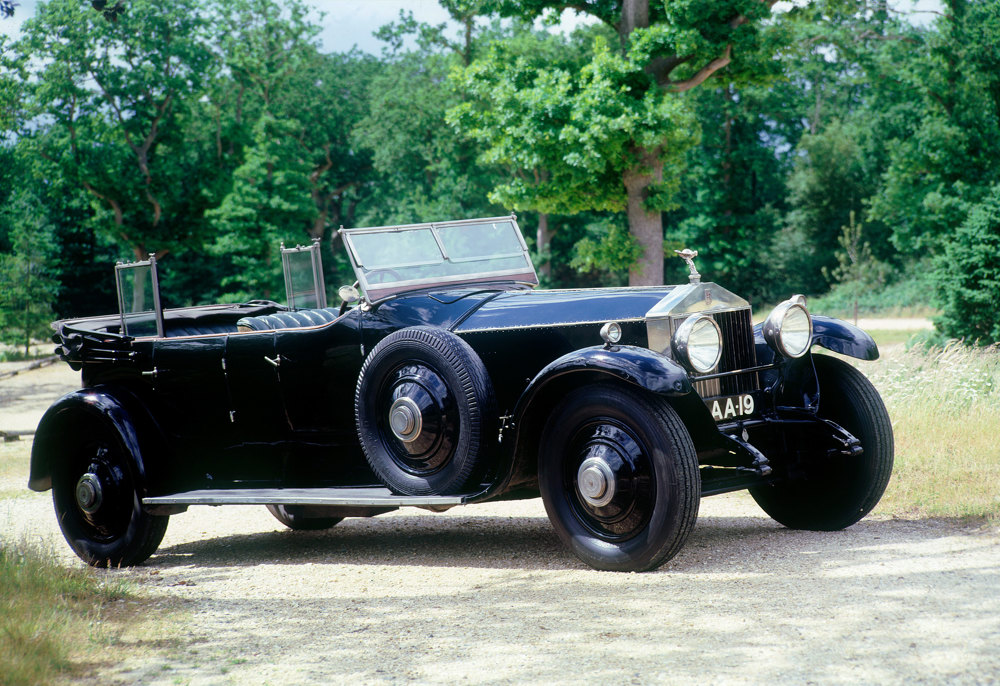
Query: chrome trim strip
301,496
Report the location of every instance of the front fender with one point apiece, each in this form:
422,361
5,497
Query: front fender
77,409
638,366
833,334
844,338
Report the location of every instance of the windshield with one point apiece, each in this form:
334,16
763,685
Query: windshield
391,259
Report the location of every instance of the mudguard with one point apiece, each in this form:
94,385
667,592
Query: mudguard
844,338
96,404
833,334
639,366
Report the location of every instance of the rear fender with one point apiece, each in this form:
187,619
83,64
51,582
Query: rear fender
118,408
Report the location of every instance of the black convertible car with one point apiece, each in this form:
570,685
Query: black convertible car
443,379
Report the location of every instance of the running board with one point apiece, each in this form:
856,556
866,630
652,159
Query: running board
370,497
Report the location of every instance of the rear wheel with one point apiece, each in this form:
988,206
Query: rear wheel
303,517
831,493
97,501
619,477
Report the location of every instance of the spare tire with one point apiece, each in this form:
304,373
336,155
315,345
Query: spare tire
426,413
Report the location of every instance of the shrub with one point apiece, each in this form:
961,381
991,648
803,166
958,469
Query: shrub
968,276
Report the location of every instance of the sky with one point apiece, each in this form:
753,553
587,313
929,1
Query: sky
351,22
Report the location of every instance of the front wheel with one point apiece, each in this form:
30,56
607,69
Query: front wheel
832,493
304,517
619,477
97,502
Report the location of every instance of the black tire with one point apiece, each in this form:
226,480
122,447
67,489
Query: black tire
434,380
300,518
104,524
651,463
834,493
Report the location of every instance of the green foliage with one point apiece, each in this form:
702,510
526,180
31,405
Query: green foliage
600,137
608,246
211,130
115,93
269,202
968,276
27,284
944,161
857,269
424,171
46,614
568,137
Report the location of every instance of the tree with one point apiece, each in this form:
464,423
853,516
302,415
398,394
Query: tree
617,122
968,276
270,202
27,284
114,93
423,171
7,8
857,267
732,196
944,162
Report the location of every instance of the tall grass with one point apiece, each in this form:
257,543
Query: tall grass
46,612
944,404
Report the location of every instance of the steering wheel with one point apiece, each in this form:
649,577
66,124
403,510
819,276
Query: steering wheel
381,274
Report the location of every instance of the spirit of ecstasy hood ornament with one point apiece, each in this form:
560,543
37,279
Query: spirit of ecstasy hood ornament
688,256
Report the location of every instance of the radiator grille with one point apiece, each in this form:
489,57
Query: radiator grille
738,352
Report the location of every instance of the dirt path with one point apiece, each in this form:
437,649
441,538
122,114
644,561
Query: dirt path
486,594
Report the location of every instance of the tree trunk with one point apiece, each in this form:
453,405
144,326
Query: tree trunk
544,237
645,226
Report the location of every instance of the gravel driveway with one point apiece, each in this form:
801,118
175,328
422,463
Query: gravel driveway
487,594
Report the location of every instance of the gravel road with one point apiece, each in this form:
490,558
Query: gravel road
487,594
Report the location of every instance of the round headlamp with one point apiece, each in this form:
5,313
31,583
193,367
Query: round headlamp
611,333
697,343
788,329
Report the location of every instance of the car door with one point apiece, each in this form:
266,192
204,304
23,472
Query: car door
318,374
259,422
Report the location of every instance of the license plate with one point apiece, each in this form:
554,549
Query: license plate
731,407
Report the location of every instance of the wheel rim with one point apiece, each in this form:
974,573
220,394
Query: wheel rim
100,493
418,418
608,479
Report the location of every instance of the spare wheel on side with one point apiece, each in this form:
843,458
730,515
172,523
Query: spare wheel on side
426,413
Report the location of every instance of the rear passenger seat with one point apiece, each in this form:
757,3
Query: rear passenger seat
288,320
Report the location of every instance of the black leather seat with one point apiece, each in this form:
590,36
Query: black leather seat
288,320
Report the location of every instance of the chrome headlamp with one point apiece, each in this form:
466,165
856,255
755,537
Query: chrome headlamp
788,329
697,343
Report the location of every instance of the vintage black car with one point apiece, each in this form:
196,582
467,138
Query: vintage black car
444,379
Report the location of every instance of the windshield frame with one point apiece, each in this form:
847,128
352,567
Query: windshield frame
373,292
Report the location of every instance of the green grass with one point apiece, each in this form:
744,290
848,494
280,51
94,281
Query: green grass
50,615
14,459
943,406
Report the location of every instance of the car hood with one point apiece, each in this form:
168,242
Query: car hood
532,309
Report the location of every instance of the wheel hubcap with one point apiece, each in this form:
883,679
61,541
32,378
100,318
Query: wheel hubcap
419,418
609,479
596,481
89,494
405,419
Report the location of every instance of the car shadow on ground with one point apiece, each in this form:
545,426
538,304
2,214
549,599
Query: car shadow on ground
717,544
